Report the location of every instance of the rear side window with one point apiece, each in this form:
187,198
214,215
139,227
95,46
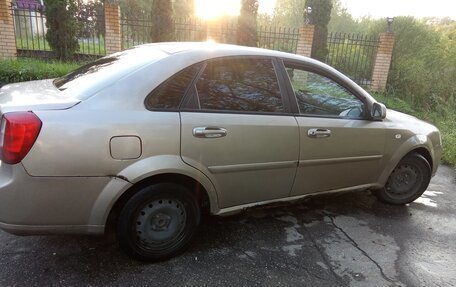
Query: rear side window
239,84
169,94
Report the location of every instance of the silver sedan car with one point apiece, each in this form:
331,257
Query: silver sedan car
152,137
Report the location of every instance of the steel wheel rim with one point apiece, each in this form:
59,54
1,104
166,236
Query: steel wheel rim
159,222
403,181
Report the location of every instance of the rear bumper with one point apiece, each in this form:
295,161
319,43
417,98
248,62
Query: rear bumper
51,205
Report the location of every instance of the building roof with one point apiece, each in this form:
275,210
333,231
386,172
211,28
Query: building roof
29,4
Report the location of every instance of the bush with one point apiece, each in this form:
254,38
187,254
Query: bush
20,70
62,27
423,67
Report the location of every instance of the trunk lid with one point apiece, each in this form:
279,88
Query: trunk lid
34,95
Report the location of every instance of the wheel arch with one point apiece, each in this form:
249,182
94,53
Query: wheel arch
190,183
416,144
151,170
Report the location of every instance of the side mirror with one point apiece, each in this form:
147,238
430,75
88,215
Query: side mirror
378,111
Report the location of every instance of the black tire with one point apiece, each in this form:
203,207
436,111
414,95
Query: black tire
158,222
407,182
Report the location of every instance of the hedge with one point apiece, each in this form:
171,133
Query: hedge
19,70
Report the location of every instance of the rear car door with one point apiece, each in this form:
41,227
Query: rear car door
340,147
238,130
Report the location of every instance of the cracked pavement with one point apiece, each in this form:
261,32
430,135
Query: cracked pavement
347,239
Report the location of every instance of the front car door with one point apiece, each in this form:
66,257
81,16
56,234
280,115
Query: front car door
237,129
340,147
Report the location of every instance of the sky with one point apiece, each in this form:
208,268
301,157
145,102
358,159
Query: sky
358,8
392,8
388,8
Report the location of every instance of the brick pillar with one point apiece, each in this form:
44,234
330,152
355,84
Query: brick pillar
113,37
305,40
382,61
7,35
214,31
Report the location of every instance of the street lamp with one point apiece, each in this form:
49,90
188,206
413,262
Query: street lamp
307,12
389,21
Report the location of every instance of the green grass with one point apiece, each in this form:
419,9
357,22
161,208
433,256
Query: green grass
12,70
442,115
39,43
92,48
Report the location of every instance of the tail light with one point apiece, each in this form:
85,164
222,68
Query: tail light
19,131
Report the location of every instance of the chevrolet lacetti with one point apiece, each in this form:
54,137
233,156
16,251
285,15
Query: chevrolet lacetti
152,137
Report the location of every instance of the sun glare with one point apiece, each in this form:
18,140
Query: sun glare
211,9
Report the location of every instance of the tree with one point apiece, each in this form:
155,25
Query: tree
61,27
162,21
183,8
289,13
343,21
247,23
136,9
320,16
90,18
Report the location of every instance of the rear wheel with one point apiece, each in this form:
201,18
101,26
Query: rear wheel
158,222
407,182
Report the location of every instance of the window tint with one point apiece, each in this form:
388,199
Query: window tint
319,95
169,94
241,84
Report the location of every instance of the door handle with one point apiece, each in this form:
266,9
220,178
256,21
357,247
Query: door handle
209,132
318,133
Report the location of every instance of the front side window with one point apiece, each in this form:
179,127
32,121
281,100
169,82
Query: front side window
318,95
239,84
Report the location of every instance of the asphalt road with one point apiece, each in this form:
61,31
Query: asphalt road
340,240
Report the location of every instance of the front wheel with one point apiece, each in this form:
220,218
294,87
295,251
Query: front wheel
407,182
158,222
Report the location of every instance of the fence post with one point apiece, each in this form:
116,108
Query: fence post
305,40
113,36
382,61
7,35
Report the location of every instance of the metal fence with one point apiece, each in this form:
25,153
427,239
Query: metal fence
278,38
353,54
30,29
187,29
137,31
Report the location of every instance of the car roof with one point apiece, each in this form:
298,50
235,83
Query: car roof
179,47
216,49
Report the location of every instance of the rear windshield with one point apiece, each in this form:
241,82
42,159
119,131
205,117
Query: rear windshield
105,71
90,68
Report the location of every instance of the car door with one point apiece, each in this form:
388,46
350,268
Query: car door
340,148
237,129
